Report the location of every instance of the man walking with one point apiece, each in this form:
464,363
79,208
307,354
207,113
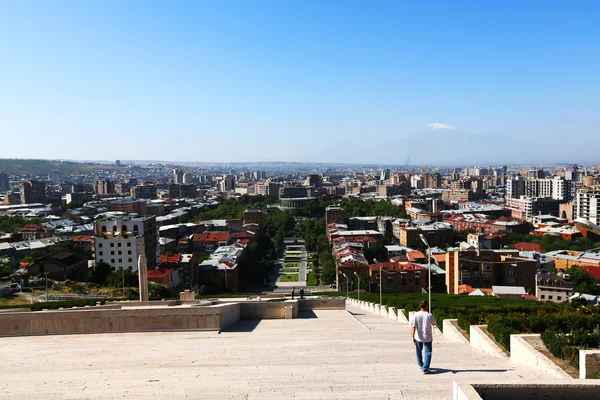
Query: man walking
421,333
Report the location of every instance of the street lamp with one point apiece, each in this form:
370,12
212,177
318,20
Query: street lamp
358,285
380,281
345,276
46,273
428,267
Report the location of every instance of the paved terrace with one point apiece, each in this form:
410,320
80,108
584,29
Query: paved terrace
324,355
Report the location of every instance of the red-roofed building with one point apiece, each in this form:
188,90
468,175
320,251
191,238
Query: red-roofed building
164,276
185,265
242,235
35,232
592,270
467,289
399,277
526,246
84,241
416,256
208,242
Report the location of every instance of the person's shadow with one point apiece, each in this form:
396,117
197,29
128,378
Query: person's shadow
456,371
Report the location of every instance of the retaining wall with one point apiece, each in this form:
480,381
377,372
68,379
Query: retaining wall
589,364
451,332
525,354
322,304
481,341
267,310
571,391
89,320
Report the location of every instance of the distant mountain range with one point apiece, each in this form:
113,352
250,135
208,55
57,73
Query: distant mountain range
444,145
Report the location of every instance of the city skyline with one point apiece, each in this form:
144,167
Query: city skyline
311,82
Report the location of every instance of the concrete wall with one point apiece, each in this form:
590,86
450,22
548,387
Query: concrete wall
323,304
481,341
15,310
402,316
166,303
452,333
230,314
383,311
267,310
90,320
589,364
392,313
495,391
464,391
523,353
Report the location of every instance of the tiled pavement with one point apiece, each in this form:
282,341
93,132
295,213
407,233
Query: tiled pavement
323,355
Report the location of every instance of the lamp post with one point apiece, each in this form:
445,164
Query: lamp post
358,285
346,276
428,268
46,273
380,281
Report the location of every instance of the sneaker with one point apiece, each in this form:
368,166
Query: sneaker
426,372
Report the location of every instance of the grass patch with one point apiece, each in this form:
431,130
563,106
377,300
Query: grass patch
312,279
289,278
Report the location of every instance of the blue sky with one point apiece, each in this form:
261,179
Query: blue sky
293,80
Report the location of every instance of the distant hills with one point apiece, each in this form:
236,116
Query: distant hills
43,167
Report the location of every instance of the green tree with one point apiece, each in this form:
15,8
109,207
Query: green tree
115,278
100,273
583,282
6,269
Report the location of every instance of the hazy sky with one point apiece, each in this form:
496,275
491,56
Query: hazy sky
282,80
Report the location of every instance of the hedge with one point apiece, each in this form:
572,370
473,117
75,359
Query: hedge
567,347
53,305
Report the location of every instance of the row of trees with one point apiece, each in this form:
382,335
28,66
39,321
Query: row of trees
553,243
353,207
12,224
232,208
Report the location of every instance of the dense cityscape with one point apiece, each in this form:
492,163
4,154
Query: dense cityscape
223,231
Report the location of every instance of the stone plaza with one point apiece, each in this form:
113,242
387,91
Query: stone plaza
323,354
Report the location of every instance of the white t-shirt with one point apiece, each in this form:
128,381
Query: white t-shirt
423,322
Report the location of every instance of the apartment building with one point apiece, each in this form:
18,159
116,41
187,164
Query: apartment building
119,242
487,268
128,206
525,208
33,192
587,204
334,215
553,287
557,188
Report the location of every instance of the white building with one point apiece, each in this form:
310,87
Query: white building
557,188
178,176
588,204
187,178
120,250
117,241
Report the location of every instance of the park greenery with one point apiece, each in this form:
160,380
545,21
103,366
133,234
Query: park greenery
234,209
11,224
583,281
553,243
353,207
312,279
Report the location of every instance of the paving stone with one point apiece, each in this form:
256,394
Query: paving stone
337,355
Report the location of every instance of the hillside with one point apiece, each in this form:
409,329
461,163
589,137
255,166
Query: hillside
43,167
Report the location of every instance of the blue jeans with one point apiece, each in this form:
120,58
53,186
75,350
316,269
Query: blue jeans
428,347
